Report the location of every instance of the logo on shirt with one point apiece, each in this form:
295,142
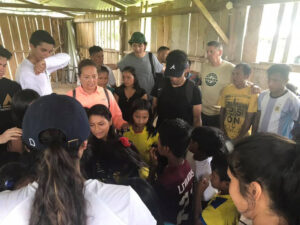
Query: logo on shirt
277,109
172,67
211,79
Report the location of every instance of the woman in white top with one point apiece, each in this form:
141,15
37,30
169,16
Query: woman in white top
55,129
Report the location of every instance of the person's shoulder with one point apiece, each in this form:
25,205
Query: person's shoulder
229,88
227,64
10,82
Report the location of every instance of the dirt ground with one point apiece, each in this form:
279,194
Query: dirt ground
62,88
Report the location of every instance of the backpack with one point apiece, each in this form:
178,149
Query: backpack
188,89
106,93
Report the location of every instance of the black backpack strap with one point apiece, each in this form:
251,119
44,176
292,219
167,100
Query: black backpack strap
107,97
189,88
152,65
74,93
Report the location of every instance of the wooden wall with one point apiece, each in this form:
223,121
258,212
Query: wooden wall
16,31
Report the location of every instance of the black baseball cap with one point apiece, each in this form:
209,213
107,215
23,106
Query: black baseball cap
55,112
177,62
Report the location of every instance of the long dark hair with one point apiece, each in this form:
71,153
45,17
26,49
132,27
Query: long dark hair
142,104
102,110
59,199
20,102
274,162
131,70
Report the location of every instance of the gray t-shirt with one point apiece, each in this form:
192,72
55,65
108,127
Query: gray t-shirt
142,68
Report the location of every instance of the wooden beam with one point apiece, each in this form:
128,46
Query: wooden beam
59,11
92,20
261,2
115,4
276,35
211,20
27,6
289,39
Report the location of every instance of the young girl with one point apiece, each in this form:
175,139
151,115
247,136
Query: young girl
109,157
129,91
103,75
141,131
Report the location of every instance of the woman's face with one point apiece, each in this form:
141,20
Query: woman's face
128,79
244,205
89,78
99,126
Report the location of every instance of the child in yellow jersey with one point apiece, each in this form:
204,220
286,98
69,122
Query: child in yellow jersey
141,131
238,104
220,209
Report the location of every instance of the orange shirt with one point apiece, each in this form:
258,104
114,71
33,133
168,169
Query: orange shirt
99,97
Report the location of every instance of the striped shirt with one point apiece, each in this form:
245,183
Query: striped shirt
278,114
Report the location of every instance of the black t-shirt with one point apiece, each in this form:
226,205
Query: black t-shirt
126,103
173,102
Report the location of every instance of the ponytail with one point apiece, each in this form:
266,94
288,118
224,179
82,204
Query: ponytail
59,199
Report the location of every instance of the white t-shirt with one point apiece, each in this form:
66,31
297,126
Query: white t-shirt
203,169
278,114
111,76
41,83
106,204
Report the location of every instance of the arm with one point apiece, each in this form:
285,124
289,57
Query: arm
200,188
256,122
222,119
197,115
246,126
116,113
57,62
154,107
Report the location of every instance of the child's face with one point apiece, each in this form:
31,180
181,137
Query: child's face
128,79
238,77
215,180
276,82
140,118
99,126
193,146
102,79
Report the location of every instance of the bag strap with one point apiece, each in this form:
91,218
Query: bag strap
189,90
152,65
107,97
74,93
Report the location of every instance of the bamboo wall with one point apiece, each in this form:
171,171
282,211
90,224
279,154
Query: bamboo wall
16,31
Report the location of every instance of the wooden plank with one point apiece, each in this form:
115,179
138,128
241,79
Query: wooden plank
252,34
116,4
211,20
8,44
53,8
261,2
55,31
23,36
276,35
18,49
46,21
289,39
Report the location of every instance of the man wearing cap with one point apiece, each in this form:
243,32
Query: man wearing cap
175,96
140,60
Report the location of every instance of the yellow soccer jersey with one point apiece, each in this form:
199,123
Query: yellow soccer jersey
220,211
142,142
237,103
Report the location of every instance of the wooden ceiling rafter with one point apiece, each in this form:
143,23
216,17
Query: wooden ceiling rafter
115,4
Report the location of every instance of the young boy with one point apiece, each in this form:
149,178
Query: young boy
278,107
103,75
238,104
174,183
220,210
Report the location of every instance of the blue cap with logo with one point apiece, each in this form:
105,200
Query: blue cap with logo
55,112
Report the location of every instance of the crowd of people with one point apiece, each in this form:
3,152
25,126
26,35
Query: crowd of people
108,154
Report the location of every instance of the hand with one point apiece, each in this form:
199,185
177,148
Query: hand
10,134
153,156
202,185
254,88
125,127
40,67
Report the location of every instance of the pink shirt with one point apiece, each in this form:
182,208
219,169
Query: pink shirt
99,97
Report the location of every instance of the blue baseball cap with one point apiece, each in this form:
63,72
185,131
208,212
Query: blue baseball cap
55,112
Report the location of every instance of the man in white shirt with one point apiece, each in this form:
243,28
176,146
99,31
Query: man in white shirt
34,72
